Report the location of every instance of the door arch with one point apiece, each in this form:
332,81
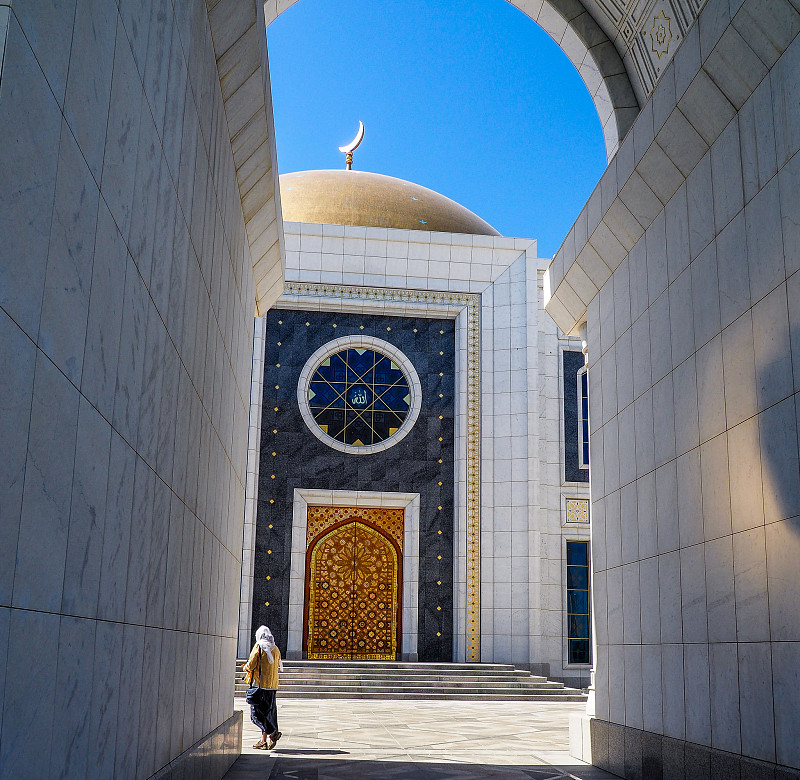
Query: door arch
353,594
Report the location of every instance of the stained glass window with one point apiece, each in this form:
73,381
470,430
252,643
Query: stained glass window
583,418
359,397
578,603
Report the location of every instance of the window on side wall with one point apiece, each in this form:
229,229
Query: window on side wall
575,417
578,603
583,419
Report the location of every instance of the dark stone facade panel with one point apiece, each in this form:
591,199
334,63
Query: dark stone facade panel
411,466
632,753
598,735
651,756
616,749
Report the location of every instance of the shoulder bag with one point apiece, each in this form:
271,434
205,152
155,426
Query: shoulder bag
253,695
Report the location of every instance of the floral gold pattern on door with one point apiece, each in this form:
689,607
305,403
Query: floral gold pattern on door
389,521
353,588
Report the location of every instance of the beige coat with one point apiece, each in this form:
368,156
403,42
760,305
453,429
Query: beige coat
269,671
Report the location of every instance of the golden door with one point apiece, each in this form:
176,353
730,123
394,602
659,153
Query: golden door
353,594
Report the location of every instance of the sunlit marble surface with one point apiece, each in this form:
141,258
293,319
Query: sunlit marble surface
419,739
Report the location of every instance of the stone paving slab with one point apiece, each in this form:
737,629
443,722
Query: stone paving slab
339,739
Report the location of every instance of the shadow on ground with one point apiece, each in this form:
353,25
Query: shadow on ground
309,752
286,767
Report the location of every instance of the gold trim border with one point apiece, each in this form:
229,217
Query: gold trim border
472,303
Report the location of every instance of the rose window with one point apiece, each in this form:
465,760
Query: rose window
359,394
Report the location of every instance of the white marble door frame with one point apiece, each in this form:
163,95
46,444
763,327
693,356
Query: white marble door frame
409,503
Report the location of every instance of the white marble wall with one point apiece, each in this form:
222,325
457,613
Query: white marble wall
523,596
402,259
695,407
508,433
126,301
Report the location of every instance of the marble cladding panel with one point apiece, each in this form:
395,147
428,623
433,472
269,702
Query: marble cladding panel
717,459
403,259
126,302
522,478
420,463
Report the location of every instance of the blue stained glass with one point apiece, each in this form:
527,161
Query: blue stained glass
584,401
358,398
578,626
578,601
578,604
579,651
577,554
577,577
324,394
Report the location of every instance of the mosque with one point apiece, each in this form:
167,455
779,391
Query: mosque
414,397
394,463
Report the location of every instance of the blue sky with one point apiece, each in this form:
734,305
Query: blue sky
468,97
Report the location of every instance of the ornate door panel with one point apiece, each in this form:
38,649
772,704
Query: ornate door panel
352,587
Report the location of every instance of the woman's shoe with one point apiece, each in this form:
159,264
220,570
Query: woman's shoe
262,744
272,740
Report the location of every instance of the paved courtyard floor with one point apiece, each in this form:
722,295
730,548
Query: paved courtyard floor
352,739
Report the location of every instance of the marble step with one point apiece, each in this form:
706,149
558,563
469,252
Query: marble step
394,665
400,680
334,667
453,682
548,685
430,678
394,685
416,678
432,695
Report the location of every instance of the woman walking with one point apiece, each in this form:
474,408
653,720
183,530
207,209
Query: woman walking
261,673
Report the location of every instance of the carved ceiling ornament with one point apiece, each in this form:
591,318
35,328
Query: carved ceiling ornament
661,34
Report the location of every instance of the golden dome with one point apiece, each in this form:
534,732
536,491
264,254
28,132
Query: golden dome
373,200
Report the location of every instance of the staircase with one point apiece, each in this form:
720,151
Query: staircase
398,680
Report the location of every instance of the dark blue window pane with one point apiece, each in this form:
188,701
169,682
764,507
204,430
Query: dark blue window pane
323,394
578,626
578,601
583,400
578,604
579,651
577,577
578,553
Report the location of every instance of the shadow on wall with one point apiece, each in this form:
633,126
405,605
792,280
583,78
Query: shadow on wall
756,453
780,460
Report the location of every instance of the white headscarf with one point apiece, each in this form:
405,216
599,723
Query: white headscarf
266,642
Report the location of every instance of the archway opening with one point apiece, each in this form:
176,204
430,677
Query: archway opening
506,125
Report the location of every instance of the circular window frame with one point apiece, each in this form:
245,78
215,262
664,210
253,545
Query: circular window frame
360,342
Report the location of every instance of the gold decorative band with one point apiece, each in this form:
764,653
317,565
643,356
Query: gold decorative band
472,303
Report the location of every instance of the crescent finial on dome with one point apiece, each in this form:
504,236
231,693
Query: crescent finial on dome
348,149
